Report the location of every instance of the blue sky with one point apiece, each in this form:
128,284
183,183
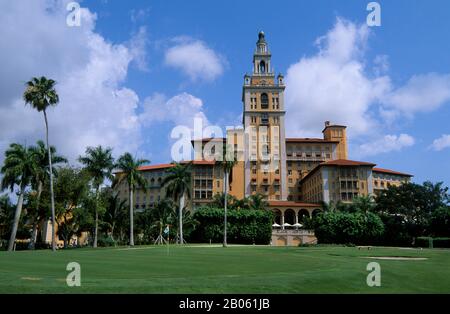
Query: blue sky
127,45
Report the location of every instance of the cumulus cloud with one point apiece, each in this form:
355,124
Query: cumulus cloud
441,143
137,46
195,59
332,85
422,93
386,144
181,109
336,84
95,108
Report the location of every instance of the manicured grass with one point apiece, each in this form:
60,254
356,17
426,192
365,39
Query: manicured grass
236,269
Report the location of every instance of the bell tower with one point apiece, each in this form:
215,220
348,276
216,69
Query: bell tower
263,119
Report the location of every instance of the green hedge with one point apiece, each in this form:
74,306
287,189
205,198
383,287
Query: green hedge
429,242
345,228
424,242
441,242
244,226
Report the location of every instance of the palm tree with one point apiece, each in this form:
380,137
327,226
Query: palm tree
162,215
114,212
364,203
41,94
18,169
178,186
258,202
226,163
98,163
42,172
130,173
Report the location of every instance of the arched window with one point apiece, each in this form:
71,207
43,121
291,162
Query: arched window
264,101
262,67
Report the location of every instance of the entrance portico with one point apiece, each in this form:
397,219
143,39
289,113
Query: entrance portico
288,212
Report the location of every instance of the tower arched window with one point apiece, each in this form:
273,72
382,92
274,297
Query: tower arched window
262,67
264,101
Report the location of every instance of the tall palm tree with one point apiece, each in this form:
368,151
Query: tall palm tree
226,163
18,169
178,185
130,173
41,94
98,163
42,173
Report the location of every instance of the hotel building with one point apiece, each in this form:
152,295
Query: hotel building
294,174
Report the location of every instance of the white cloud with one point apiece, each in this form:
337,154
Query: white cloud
388,143
137,46
332,85
181,109
381,64
441,143
195,59
335,84
95,108
422,93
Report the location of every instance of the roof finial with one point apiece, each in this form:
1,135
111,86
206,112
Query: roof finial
261,35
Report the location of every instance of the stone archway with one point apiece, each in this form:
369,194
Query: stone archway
289,216
303,214
277,216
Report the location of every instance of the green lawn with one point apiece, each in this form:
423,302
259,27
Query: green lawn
236,269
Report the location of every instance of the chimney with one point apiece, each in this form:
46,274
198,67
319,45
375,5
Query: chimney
327,123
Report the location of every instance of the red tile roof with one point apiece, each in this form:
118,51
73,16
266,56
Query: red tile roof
155,167
339,162
346,162
202,162
292,204
308,140
391,172
165,166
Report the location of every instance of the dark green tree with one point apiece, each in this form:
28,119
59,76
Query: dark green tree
19,169
98,163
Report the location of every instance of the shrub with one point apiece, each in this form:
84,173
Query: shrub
244,226
441,242
105,242
344,228
396,231
429,242
426,242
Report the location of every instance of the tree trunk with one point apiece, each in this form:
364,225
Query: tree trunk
12,238
112,231
96,218
131,217
36,222
52,196
180,217
225,180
